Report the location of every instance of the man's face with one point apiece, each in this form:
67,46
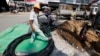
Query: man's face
36,10
45,10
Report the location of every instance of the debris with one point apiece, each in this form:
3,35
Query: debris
70,31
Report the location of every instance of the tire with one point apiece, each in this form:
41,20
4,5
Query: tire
10,50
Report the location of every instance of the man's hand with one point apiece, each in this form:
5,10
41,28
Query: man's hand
31,24
33,29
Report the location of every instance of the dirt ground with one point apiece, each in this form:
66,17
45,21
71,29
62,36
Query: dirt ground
70,31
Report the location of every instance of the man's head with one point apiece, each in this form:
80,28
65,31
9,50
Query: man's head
36,7
46,9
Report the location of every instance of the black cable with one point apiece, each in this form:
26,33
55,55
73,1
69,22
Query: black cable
10,50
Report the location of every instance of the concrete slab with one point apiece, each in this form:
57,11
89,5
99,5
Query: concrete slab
63,48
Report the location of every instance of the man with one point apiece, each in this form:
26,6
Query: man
34,24
96,23
43,16
85,16
73,14
46,11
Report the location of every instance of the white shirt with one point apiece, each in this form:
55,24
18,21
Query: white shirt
34,17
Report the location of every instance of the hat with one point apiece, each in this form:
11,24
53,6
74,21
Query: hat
44,7
37,5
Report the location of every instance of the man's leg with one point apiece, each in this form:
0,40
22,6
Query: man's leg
41,33
32,37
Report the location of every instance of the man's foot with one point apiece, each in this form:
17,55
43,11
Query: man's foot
47,39
31,40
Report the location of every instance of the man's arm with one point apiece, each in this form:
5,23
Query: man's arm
31,24
31,21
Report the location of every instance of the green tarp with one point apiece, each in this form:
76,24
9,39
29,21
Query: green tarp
7,36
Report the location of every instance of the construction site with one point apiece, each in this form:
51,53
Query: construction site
73,33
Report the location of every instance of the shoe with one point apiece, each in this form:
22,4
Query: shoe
31,40
47,39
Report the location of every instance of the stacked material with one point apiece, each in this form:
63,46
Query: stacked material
69,12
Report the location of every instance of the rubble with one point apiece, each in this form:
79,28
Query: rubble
63,48
70,31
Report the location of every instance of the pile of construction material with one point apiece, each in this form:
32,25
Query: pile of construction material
70,31
68,10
